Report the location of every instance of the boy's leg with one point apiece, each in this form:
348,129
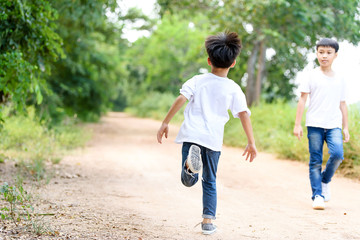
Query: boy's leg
316,143
210,162
333,138
187,178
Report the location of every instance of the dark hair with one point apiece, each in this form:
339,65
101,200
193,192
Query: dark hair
328,42
223,49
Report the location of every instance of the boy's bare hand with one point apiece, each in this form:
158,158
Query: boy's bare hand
346,135
298,131
163,129
250,151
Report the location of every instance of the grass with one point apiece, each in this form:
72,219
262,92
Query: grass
273,126
33,146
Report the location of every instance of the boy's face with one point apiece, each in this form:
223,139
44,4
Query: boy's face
326,56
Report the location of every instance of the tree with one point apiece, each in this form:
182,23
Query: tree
172,54
290,28
85,82
28,44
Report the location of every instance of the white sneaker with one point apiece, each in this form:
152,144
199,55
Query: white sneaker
193,160
208,228
326,191
318,203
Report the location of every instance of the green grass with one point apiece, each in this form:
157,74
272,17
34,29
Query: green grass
273,126
33,146
273,129
155,105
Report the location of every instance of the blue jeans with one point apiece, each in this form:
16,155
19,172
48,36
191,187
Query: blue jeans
210,160
334,141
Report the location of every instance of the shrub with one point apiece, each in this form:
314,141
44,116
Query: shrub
154,105
32,145
273,129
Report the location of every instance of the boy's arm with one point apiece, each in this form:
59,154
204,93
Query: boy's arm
298,131
344,112
164,129
250,149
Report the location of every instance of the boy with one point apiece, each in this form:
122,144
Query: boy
326,114
210,97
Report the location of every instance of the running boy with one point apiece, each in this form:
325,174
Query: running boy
326,115
210,97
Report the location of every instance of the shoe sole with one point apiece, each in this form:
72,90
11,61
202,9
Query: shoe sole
319,208
194,159
208,232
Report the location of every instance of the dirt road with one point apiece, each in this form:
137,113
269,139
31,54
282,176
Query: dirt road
124,185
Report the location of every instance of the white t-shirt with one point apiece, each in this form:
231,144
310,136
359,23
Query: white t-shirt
325,94
210,97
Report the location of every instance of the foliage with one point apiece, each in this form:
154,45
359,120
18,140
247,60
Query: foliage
28,43
18,203
291,31
192,7
352,148
173,54
273,129
89,74
155,105
85,82
273,126
34,146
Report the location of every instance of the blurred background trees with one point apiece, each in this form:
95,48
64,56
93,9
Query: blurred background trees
72,58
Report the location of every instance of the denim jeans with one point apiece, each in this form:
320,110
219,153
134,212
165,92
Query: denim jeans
210,161
317,137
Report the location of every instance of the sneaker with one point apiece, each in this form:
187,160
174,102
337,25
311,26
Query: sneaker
318,203
326,191
193,160
208,228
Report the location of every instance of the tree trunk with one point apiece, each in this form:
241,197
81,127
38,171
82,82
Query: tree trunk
260,71
251,81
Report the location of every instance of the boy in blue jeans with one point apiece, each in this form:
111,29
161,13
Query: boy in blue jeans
325,117
210,96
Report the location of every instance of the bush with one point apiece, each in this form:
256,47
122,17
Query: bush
154,105
32,145
273,129
273,126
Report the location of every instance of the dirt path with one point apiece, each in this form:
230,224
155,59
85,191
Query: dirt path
124,185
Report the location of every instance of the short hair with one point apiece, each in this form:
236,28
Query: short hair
328,42
223,49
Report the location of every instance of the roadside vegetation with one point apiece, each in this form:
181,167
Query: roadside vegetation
33,148
273,126
65,62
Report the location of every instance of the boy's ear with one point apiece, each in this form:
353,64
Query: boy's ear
209,62
233,64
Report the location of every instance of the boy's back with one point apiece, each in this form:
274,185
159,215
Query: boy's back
210,97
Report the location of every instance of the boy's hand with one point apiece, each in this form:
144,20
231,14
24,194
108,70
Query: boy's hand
163,129
250,151
346,135
298,131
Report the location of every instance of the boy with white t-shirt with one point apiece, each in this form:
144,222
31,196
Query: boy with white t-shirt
210,97
326,115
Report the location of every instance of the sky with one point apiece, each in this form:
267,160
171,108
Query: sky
347,63
147,7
